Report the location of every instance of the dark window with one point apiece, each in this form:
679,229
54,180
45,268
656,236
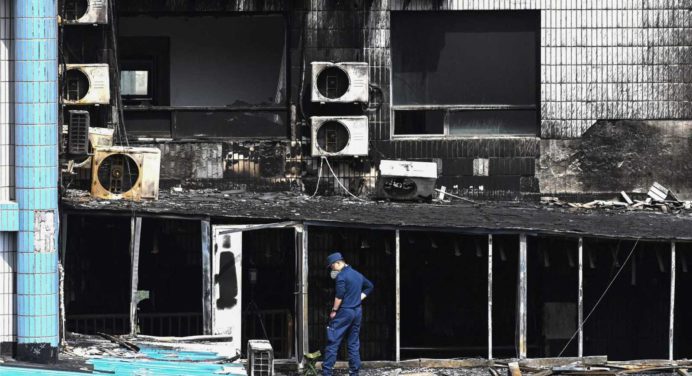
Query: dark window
144,70
481,62
419,122
216,76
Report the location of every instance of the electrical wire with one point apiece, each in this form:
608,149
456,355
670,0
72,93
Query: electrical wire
366,107
319,177
301,100
122,131
581,324
339,180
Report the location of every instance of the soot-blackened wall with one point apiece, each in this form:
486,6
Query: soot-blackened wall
605,62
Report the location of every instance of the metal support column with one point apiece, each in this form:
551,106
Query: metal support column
490,296
580,300
304,345
397,304
671,327
205,230
522,296
135,236
36,177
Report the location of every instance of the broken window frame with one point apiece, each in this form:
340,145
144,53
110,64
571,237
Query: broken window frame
172,115
449,109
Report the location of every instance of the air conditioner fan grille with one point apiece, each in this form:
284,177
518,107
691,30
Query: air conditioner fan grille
118,173
332,137
77,84
75,9
332,82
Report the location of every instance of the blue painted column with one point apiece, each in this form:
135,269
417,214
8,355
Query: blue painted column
36,177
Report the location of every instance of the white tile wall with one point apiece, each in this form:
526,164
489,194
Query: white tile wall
8,262
6,103
603,59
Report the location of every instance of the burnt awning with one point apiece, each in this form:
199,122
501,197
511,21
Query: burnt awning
484,217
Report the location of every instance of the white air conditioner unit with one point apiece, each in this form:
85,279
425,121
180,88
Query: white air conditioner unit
339,135
260,358
86,84
340,82
406,180
128,173
86,12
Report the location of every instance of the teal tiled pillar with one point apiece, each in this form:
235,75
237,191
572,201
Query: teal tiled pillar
36,177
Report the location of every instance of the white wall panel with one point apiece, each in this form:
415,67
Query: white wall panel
8,254
6,103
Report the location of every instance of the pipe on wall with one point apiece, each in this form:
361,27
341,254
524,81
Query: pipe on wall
36,177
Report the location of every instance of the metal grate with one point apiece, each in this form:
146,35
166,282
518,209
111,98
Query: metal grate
261,363
260,358
78,132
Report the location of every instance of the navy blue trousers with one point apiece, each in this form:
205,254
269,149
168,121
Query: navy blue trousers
345,323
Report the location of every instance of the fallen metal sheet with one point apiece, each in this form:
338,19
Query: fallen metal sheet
149,361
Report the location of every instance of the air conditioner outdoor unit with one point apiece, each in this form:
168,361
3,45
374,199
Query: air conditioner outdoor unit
339,135
340,82
128,173
78,132
406,180
260,358
86,12
86,84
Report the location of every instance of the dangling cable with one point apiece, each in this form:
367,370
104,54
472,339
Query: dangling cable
319,177
339,180
581,324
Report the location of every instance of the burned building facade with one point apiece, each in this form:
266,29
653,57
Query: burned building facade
262,111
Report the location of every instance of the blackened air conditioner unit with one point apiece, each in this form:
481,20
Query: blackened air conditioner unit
406,180
85,12
340,82
86,84
339,135
78,132
130,173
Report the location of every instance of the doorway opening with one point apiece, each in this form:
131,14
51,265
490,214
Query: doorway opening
170,272
444,295
97,274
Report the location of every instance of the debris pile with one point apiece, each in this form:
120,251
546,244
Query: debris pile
588,366
565,366
659,198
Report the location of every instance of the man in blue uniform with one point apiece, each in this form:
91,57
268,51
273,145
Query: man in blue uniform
351,289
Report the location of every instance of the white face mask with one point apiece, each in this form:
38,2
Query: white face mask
334,273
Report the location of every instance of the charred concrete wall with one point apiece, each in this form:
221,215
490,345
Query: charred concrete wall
605,60
620,155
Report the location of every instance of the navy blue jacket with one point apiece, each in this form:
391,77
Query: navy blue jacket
349,285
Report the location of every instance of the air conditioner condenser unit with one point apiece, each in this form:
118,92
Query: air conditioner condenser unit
340,82
406,180
85,12
339,135
129,173
260,358
86,84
